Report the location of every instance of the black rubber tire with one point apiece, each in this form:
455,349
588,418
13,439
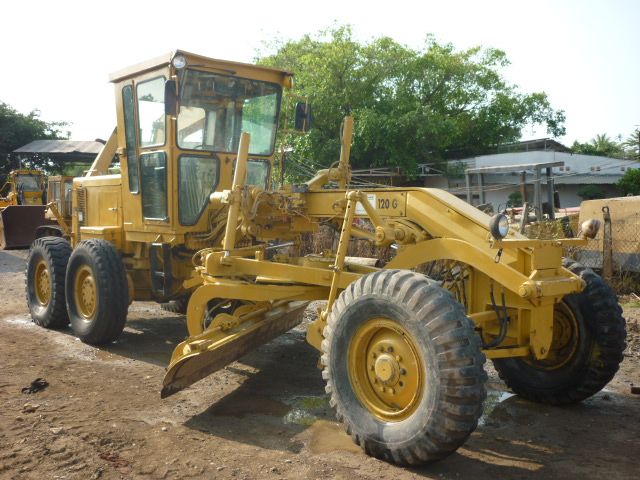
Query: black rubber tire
112,294
601,341
454,389
179,305
55,251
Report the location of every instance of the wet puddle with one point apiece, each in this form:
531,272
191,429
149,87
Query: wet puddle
307,410
328,437
315,413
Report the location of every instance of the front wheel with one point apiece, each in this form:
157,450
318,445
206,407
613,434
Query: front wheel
588,340
404,367
97,295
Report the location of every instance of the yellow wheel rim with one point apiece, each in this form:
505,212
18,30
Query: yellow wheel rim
386,370
86,297
566,337
43,283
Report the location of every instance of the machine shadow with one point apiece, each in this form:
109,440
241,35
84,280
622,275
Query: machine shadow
150,340
281,395
521,439
149,335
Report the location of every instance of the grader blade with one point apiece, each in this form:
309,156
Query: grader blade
204,354
18,224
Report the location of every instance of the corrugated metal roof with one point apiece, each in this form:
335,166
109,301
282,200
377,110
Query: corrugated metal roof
64,147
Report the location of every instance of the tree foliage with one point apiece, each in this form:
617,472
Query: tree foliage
17,129
629,184
514,199
632,145
410,106
601,145
590,192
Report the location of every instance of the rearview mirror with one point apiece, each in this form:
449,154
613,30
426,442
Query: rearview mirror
304,117
170,98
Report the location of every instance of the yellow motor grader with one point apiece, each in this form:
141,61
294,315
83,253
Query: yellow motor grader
193,213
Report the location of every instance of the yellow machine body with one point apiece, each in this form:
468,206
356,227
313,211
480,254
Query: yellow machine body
192,214
142,212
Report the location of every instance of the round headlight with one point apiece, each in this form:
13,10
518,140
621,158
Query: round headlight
499,226
179,62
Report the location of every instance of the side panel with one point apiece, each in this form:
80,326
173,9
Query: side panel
97,208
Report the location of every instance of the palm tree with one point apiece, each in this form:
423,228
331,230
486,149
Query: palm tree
632,144
605,146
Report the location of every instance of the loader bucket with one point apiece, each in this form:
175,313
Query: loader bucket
18,224
204,354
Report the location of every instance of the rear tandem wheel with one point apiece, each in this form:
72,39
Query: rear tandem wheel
45,274
97,292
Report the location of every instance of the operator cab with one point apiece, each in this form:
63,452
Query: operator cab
180,118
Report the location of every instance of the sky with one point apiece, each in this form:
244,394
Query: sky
584,54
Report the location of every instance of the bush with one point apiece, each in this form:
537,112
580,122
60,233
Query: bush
590,192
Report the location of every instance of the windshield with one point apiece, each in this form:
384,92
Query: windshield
215,109
28,183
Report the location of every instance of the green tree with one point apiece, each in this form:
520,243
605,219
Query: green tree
410,106
632,145
590,192
17,129
601,145
629,184
514,199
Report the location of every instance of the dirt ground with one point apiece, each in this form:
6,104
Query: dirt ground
264,417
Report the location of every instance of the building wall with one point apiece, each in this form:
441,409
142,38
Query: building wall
569,179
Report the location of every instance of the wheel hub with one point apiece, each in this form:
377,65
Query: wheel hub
386,369
85,293
564,345
43,283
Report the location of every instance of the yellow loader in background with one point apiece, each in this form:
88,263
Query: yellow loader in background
193,213
22,208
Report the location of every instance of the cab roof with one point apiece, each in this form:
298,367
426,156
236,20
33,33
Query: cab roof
194,60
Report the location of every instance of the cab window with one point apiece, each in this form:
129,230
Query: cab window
151,116
133,168
198,178
153,167
258,173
